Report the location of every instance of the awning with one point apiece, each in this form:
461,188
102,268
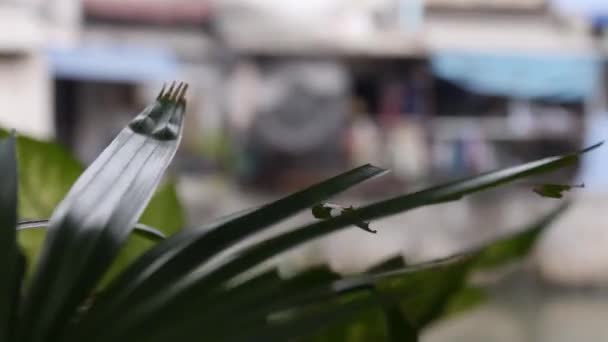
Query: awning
559,77
586,7
113,63
167,12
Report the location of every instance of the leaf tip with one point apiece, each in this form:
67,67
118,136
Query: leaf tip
593,147
181,98
162,92
169,93
376,170
175,93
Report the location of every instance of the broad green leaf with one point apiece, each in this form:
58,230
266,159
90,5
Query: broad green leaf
31,241
303,322
398,325
31,234
375,324
367,325
371,324
190,248
46,173
428,291
409,298
387,322
465,299
399,329
265,286
515,246
134,247
9,251
165,211
281,325
94,220
254,294
424,294
291,293
502,250
443,291
554,190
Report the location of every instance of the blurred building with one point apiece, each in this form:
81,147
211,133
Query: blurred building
78,70
284,90
28,27
125,52
431,87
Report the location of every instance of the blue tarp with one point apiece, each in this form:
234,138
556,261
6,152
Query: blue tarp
600,21
559,77
113,63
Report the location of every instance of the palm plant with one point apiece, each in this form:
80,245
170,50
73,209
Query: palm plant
198,284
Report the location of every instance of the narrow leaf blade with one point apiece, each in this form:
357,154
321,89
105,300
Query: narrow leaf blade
156,298
147,232
260,252
9,252
165,211
190,248
93,221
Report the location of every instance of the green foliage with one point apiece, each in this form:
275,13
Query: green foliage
91,282
96,217
429,291
165,211
47,166
511,248
465,299
46,173
31,234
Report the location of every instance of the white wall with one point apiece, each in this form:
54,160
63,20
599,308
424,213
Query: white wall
27,27
25,95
